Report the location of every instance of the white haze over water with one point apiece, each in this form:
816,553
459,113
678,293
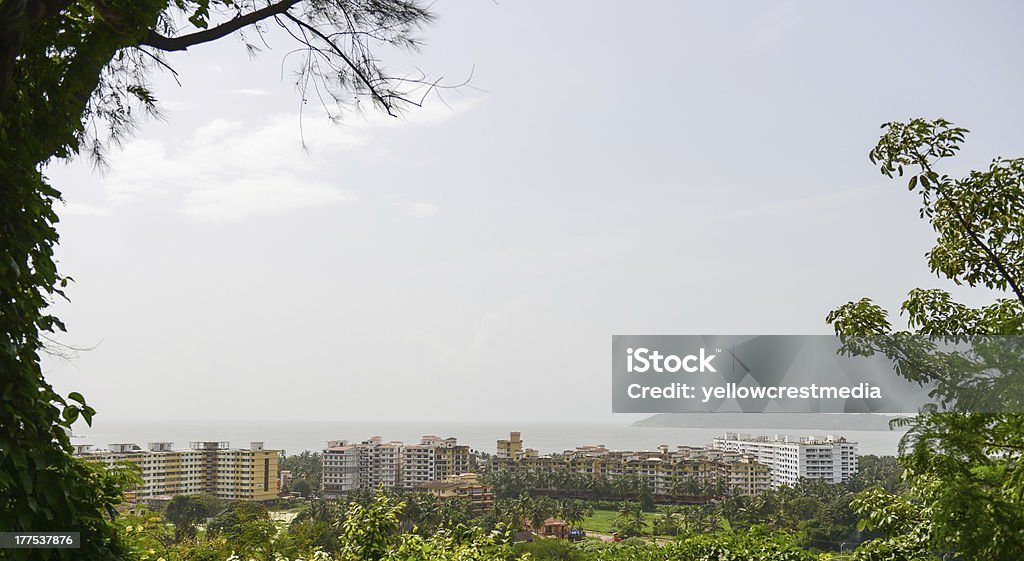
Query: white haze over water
295,436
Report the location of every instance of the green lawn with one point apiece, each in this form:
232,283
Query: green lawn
601,521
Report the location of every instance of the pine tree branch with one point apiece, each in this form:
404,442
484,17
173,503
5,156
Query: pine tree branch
183,42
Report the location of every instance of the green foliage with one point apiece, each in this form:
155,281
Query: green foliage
883,471
247,527
300,486
756,544
186,511
306,467
905,523
666,524
145,535
630,521
310,535
231,520
574,511
369,531
455,544
557,481
42,104
551,550
963,466
423,513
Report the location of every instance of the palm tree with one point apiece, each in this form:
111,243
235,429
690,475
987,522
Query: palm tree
421,512
574,512
666,524
630,521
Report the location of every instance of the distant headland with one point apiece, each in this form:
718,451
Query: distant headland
770,421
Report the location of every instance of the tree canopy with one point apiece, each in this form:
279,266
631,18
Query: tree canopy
962,455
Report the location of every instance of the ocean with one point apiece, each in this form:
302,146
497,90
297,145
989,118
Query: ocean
295,436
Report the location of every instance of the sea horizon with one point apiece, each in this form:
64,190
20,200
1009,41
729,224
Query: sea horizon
295,436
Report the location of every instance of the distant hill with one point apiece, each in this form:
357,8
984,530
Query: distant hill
814,421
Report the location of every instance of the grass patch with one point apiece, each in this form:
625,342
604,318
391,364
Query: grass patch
601,521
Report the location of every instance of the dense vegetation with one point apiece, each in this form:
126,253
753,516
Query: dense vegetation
393,525
306,471
512,481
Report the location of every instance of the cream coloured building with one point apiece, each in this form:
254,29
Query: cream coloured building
213,468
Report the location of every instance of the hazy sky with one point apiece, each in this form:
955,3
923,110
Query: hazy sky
633,168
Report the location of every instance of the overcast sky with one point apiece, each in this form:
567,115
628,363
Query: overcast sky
617,168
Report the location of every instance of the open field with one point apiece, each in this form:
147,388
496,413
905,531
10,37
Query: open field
601,521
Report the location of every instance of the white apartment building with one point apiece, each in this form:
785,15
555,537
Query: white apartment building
373,463
341,463
419,464
830,458
384,465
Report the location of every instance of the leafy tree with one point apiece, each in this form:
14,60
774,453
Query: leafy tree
318,526
666,524
453,512
756,544
300,486
145,535
305,537
247,527
883,471
186,511
73,77
906,526
422,513
455,544
803,508
646,499
307,466
370,531
551,550
321,510
972,440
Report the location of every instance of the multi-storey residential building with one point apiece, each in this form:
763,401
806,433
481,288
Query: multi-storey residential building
745,476
451,457
687,471
205,467
466,487
419,463
830,458
512,447
374,463
341,466
381,465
